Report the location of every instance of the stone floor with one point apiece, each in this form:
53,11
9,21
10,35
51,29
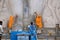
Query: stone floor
5,39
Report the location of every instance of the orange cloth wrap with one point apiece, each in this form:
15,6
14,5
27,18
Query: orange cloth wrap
39,21
11,21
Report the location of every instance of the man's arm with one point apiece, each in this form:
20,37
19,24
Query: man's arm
1,29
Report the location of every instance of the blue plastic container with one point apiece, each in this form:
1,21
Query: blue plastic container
14,36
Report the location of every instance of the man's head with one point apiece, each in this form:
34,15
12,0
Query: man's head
31,23
0,22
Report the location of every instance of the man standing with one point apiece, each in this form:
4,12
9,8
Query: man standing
32,30
1,30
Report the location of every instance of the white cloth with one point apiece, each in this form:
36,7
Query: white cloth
28,26
1,29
